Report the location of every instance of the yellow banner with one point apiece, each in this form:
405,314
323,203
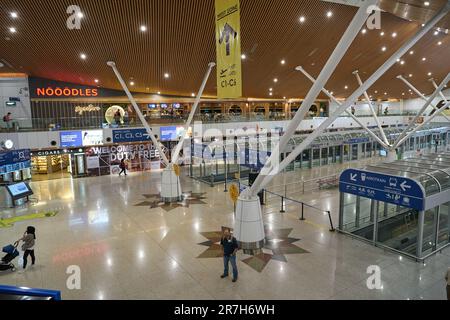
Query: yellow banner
228,45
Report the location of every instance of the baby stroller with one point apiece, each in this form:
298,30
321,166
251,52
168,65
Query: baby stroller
6,262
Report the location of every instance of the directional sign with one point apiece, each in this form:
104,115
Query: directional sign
391,189
228,47
130,135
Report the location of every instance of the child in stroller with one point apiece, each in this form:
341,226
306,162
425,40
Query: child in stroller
6,262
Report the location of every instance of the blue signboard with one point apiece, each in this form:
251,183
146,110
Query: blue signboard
14,160
130,135
357,140
168,133
391,189
71,139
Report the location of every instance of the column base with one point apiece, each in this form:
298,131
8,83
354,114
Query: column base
170,187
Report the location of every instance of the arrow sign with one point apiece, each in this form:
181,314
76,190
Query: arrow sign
353,177
405,186
227,33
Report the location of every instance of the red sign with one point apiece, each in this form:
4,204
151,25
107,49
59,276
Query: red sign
66,92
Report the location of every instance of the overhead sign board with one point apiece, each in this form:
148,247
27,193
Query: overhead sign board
228,47
391,189
15,160
130,135
71,139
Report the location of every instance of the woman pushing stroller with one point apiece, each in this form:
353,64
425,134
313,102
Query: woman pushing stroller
29,240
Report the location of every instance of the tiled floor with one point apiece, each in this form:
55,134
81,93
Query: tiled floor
138,252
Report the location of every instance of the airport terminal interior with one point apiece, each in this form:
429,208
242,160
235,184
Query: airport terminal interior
304,144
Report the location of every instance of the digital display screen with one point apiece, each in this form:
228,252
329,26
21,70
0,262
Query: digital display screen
152,106
383,153
164,106
92,138
176,106
19,190
71,139
168,133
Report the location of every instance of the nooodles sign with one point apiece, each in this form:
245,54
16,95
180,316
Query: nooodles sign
66,92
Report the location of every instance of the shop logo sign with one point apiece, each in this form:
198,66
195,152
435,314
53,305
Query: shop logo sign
66,92
74,20
85,109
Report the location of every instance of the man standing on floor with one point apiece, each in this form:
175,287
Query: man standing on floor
447,278
230,248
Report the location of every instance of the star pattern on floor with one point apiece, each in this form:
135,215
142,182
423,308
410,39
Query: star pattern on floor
189,198
278,245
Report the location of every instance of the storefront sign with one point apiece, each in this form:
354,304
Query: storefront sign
15,160
71,139
228,47
65,92
87,109
128,152
130,135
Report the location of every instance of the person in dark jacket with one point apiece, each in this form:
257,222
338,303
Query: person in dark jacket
230,248
123,167
29,241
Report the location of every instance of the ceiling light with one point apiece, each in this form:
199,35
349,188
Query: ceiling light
83,56
275,80
385,93
243,57
12,30
283,61
411,52
143,28
271,89
329,14
80,15
96,80
402,62
376,91
426,3
270,94
403,93
166,75
284,98
424,59
436,33
410,75
193,94
423,25
429,74
346,87
159,92
382,33
439,43
364,31
14,15
394,35
132,83
302,19
331,92
383,49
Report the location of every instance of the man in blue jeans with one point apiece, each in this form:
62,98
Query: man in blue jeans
230,248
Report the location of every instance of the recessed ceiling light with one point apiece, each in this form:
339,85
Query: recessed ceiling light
83,56
302,19
132,83
429,73
382,33
166,75
439,43
159,92
96,81
426,3
383,49
394,35
270,94
283,61
436,33
403,93
385,93
193,94
243,57
402,62
275,80
424,59
411,52
143,28
14,15
346,87
410,75
376,91
331,92
364,31
284,98
271,89
12,30
80,15
329,14
423,25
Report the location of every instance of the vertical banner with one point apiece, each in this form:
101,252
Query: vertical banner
228,46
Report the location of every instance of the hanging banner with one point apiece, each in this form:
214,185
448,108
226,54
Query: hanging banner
228,47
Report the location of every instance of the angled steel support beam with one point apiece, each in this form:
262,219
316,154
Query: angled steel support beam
380,127
441,93
325,91
329,68
426,105
176,153
419,93
359,92
139,113
402,141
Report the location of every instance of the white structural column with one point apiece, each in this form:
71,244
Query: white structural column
380,127
176,153
329,68
138,112
441,93
301,69
354,97
249,224
420,93
424,108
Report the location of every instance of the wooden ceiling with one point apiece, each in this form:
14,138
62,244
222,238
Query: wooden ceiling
180,41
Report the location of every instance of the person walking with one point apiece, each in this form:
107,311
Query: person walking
230,248
123,167
29,241
447,278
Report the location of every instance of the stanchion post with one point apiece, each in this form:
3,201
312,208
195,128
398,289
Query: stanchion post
331,222
282,205
303,212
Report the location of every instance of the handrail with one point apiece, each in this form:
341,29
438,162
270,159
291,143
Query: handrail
303,205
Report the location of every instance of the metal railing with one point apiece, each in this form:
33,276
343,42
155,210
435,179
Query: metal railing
303,205
304,186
